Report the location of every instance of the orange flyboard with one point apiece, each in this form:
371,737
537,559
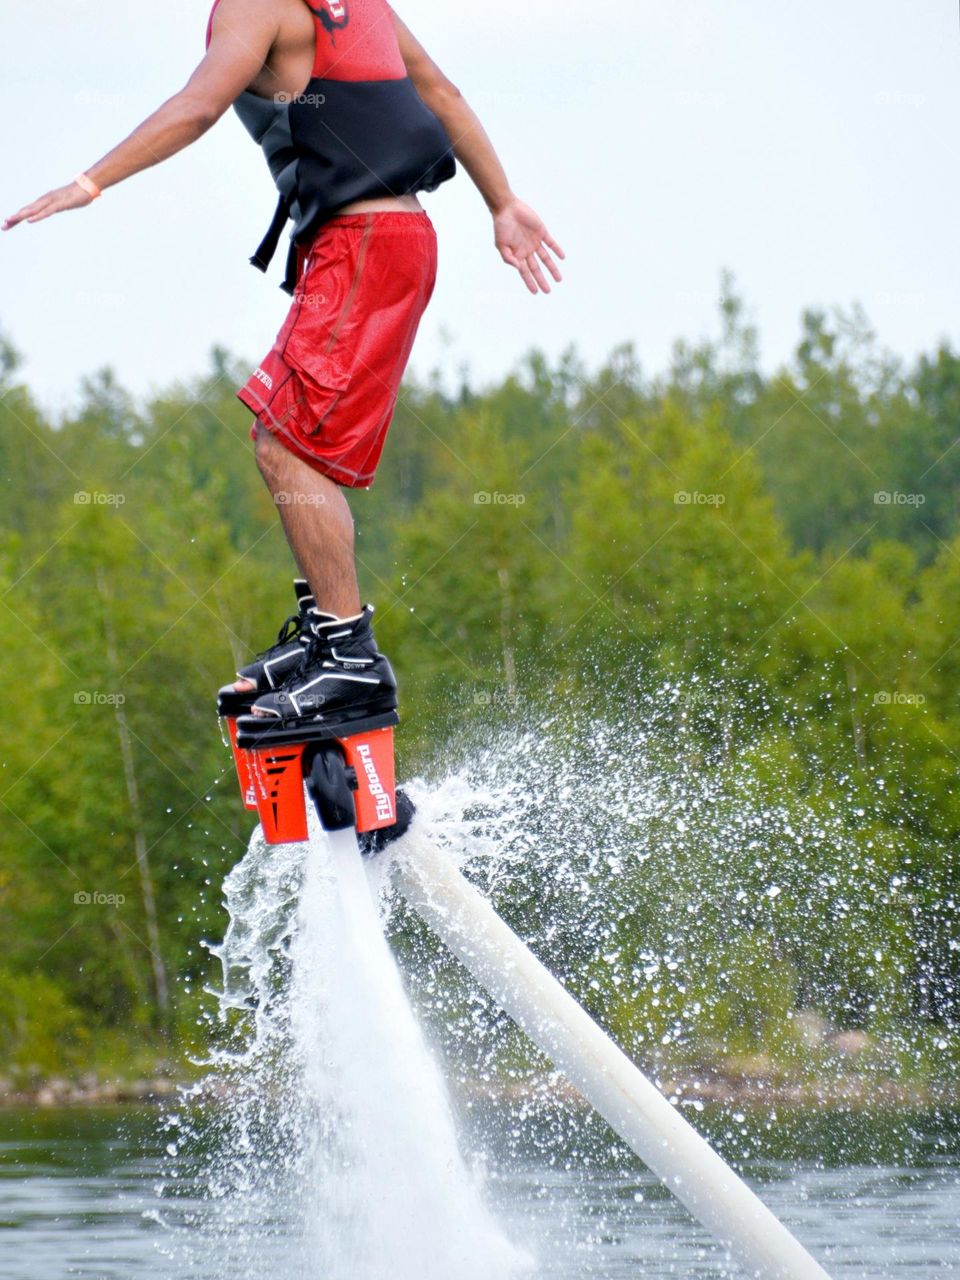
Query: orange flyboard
278,776
248,788
278,773
370,755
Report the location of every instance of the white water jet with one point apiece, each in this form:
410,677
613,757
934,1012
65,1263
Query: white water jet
334,1150
392,1195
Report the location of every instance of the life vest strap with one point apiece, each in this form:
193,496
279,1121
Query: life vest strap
292,278
268,245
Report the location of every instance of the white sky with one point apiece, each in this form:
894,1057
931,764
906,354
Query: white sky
810,147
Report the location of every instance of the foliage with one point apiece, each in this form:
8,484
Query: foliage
783,550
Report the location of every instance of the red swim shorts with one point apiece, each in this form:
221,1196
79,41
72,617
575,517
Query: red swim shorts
329,387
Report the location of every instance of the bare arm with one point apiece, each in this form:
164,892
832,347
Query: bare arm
243,34
521,236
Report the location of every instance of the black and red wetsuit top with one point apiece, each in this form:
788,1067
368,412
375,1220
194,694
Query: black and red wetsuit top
359,130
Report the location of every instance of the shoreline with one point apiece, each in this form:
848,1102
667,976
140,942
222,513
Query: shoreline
59,1091
847,1092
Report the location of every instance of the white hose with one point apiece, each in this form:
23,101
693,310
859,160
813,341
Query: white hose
606,1077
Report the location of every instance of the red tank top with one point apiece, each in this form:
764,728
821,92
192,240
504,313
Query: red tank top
358,131
355,40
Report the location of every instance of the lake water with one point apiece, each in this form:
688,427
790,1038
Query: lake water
877,1198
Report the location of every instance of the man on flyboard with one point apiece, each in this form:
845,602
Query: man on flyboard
354,120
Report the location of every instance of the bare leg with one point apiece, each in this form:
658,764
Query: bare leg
318,525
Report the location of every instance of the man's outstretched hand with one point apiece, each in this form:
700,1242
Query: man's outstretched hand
71,196
525,243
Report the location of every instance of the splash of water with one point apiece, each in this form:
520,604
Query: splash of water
330,1145
693,901
714,908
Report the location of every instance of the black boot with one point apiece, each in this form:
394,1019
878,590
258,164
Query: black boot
269,669
344,683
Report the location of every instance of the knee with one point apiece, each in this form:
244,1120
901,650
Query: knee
264,450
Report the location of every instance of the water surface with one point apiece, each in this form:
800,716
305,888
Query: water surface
871,1197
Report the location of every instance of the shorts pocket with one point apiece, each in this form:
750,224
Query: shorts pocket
323,387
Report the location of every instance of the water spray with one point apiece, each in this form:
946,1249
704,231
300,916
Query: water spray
347,775
632,1106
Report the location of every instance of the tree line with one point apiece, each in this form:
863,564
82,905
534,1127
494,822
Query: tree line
761,567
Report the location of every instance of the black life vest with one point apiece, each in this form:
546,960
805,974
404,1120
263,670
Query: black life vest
359,130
